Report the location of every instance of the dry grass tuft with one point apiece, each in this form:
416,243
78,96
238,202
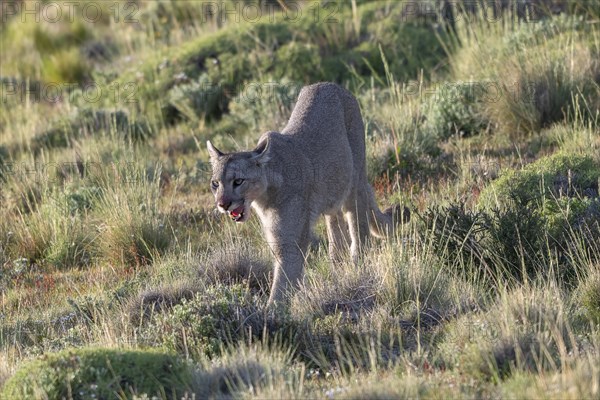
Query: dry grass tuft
237,263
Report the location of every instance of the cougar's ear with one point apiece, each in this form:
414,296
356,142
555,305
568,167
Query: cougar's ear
262,153
213,151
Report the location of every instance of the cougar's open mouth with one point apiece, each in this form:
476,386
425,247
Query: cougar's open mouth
238,214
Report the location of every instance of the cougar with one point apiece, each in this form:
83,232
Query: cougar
315,166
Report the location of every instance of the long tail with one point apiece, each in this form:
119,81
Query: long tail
383,224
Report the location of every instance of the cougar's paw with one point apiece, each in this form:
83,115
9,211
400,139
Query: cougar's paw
400,214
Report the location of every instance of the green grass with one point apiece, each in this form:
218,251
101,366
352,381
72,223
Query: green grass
117,278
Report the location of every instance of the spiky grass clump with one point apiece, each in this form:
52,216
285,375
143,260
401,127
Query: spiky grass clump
258,369
132,241
51,234
132,232
589,296
543,68
365,316
524,330
237,263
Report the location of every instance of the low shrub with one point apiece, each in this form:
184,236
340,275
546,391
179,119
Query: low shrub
100,373
456,234
198,100
200,324
454,110
559,175
560,190
525,219
159,300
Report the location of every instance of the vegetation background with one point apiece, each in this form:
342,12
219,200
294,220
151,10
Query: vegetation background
118,280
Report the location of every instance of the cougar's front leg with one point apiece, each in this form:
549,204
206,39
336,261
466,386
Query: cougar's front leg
289,269
289,241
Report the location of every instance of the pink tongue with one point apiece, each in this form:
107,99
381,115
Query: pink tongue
237,211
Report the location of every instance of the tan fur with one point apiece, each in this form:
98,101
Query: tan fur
315,166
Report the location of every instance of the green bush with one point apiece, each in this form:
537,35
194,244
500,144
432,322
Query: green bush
305,59
200,324
65,66
99,373
516,243
543,205
491,244
456,234
525,218
454,110
403,45
52,50
198,100
265,105
548,178
513,242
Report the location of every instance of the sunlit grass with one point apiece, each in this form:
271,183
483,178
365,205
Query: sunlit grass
109,239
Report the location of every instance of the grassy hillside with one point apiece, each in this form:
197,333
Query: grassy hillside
118,279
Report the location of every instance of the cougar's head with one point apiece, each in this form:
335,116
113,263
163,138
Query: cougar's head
238,179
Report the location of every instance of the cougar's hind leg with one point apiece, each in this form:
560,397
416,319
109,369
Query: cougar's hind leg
338,235
356,212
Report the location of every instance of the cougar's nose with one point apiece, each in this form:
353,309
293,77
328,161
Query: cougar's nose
224,205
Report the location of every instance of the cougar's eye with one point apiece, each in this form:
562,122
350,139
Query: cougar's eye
238,182
214,184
